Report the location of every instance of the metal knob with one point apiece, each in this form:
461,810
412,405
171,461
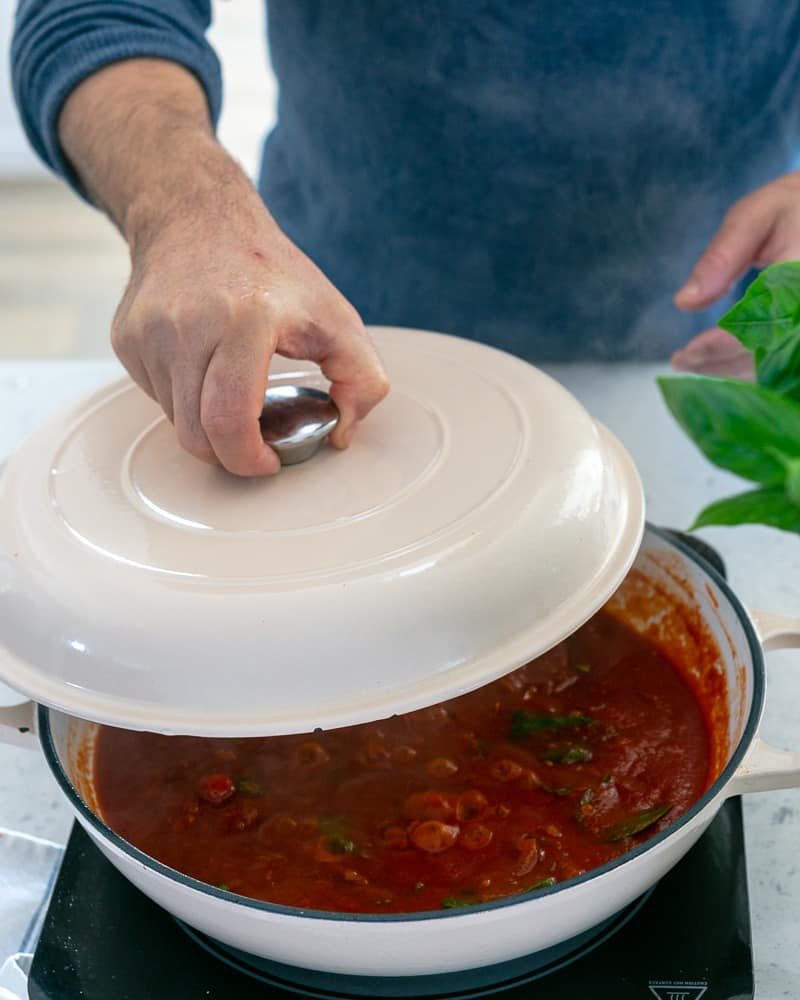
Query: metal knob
296,420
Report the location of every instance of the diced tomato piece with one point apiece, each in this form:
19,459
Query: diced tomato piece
429,805
216,788
377,754
403,754
475,837
529,779
471,804
433,836
442,767
528,849
505,770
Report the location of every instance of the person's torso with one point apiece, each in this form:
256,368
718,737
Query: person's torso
537,175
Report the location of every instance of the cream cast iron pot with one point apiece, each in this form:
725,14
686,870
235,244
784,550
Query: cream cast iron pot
678,586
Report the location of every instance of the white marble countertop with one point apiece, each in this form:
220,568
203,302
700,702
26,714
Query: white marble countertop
763,565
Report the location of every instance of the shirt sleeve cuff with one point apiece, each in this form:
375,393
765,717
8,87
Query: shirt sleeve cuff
63,69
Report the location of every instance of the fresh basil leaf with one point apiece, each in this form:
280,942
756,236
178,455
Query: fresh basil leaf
769,309
523,722
632,825
778,367
792,484
737,425
770,506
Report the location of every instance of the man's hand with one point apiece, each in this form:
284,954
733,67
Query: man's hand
215,287
761,229
213,293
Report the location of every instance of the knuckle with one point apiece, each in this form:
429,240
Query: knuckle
153,328
186,316
352,322
119,336
144,322
123,327
381,387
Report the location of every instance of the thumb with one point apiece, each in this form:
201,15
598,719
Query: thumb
714,352
734,248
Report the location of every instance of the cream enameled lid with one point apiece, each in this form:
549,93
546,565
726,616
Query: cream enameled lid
479,517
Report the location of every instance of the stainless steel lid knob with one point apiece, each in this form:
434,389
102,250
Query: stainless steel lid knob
296,420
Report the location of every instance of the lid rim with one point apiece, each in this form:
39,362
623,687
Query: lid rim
148,718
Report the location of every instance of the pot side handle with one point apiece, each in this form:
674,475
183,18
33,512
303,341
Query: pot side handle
18,725
766,768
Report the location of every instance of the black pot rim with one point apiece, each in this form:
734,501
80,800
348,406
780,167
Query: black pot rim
756,707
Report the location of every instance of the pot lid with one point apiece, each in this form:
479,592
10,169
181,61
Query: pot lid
479,516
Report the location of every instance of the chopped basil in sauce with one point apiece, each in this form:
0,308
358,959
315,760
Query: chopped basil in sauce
568,755
543,883
637,823
523,723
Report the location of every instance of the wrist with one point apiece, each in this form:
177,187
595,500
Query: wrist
199,175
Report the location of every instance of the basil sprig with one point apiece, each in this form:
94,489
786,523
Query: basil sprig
752,429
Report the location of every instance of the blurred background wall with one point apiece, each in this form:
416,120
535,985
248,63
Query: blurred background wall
62,264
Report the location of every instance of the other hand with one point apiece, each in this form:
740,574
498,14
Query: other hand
761,229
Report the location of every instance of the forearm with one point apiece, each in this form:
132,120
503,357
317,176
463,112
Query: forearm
215,288
139,136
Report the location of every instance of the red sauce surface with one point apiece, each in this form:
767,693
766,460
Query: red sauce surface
548,772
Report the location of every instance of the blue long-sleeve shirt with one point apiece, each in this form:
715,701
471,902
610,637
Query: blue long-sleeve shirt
537,175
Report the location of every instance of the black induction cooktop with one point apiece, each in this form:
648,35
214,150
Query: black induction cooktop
688,938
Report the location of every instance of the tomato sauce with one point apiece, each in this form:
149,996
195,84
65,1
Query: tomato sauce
549,772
